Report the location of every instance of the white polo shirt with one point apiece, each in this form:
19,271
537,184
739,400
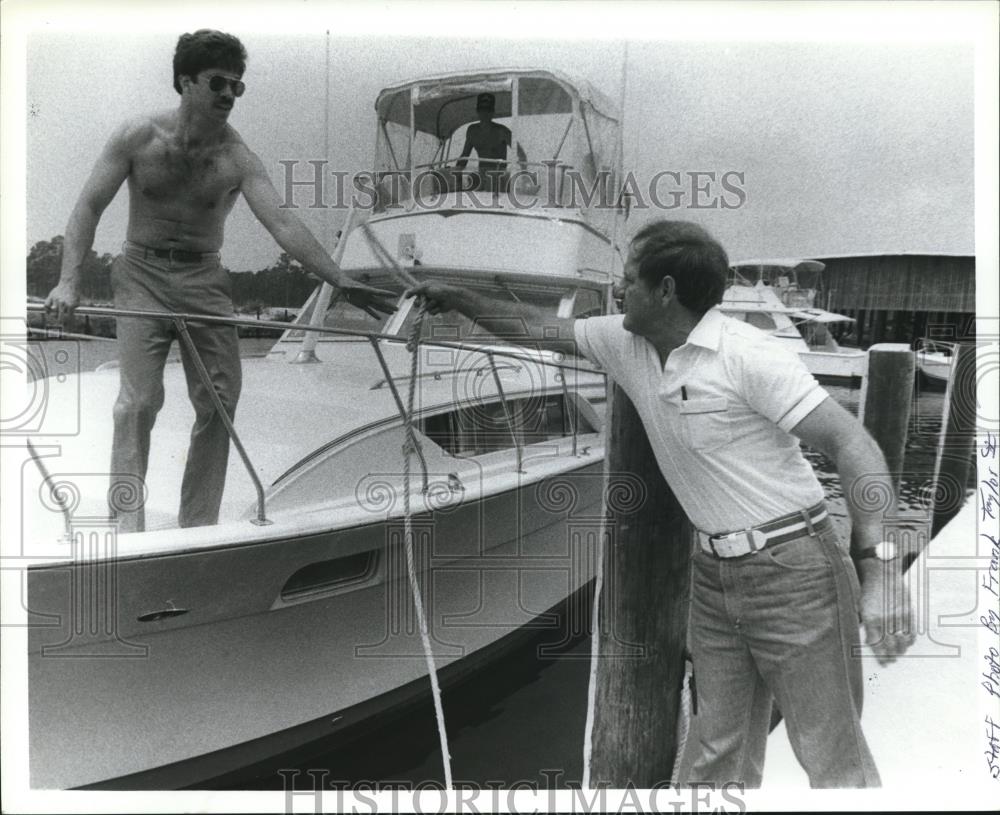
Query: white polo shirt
718,416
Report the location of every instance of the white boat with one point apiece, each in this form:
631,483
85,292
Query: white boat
777,295
934,360
171,657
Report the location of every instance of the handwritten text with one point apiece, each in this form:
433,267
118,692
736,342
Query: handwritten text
992,748
989,494
989,503
991,580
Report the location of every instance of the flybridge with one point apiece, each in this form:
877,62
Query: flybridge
565,127
523,188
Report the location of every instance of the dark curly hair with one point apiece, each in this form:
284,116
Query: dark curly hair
207,48
690,255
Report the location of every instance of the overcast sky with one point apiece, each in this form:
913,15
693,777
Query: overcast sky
846,146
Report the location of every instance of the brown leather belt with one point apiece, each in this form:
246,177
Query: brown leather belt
755,538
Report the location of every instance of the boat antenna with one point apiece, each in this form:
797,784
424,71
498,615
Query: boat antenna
618,184
307,353
327,226
620,158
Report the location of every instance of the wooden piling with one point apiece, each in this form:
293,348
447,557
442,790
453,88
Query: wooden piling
887,399
958,437
643,614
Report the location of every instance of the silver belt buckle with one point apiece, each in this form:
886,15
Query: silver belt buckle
726,546
738,544
756,540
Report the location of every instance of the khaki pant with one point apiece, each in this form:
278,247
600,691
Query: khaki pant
159,284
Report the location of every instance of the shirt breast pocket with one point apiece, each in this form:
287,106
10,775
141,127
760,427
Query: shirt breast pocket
705,422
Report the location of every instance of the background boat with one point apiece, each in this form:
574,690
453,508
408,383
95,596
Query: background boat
934,361
778,296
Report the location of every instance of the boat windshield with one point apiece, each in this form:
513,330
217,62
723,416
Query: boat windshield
342,315
451,327
455,327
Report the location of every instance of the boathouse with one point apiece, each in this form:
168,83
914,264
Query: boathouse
903,296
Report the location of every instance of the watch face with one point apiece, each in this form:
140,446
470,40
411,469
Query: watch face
886,550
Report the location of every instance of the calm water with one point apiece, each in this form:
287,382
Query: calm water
522,720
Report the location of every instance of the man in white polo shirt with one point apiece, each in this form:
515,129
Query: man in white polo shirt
775,600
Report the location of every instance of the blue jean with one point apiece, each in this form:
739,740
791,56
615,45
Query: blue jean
166,285
779,624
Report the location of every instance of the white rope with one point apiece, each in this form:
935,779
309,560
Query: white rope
595,650
595,616
418,602
409,447
683,729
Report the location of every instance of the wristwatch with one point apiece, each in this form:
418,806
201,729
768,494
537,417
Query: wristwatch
884,551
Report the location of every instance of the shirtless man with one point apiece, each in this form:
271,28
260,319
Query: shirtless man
185,170
490,141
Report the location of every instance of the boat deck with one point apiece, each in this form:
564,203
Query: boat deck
286,412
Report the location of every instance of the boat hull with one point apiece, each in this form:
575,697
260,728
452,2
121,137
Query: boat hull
231,655
934,368
553,632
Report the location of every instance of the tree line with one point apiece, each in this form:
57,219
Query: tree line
284,284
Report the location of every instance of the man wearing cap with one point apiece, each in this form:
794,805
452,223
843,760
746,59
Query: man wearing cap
775,601
185,170
490,141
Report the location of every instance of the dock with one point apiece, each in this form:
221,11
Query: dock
903,296
923,715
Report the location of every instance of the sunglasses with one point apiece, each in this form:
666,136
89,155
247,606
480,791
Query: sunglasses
217,83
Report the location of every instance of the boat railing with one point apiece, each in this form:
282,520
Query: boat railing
544,181
451,164
181,321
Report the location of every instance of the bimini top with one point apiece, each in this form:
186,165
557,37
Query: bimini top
444,102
